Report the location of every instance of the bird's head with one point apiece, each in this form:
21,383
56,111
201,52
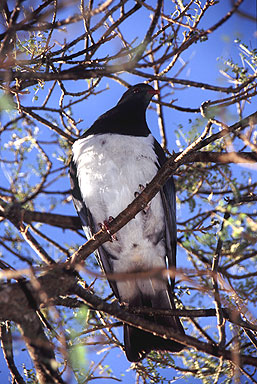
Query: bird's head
139,94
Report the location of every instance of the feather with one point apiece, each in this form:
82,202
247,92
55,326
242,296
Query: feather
111,161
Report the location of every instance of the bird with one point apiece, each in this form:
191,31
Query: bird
111,163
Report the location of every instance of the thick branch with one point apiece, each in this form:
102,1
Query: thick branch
15,306
79,72
154,187
6,343
167,333
13,303
73,222
223,157
56,220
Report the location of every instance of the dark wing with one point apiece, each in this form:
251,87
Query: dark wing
89,226
83,212
168,195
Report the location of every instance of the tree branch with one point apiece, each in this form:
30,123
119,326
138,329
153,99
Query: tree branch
13,303
6,342
141,201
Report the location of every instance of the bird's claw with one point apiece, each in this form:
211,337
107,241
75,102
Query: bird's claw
141,187
106,227
147,207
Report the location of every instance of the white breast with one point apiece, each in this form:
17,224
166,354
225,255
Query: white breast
110,169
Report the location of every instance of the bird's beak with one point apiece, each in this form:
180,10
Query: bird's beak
153,92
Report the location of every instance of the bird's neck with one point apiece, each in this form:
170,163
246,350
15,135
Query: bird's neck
132,120
124,119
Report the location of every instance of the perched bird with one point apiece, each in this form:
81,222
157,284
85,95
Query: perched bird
111,163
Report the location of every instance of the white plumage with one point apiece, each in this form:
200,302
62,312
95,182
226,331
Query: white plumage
111,162
110,170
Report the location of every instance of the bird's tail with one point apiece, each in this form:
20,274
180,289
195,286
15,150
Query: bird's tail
139,343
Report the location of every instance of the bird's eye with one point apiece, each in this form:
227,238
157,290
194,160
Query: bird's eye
136,90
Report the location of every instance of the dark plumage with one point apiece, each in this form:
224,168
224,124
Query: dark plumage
111,161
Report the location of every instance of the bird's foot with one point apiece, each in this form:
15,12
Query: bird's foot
147,207
105,226
123,304
141,187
